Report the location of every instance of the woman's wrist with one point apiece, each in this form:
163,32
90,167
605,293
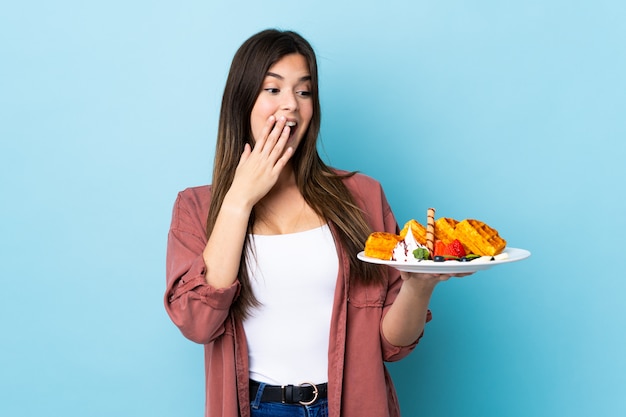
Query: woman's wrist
419,284
236,204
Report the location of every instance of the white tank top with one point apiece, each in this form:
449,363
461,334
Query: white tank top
293,276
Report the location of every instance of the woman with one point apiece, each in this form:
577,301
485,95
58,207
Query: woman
261,265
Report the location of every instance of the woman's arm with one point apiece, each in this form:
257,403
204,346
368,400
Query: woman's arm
202,275
404,322
257,172
197,309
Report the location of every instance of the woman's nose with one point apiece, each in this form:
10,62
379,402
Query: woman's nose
290,101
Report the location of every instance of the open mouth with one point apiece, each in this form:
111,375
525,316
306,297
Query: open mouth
292,128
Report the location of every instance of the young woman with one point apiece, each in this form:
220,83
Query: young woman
262,267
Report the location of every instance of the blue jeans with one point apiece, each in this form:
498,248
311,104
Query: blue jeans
268,409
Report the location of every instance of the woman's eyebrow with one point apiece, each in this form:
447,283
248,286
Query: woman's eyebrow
280,77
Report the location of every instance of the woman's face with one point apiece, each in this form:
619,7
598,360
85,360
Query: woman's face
286,92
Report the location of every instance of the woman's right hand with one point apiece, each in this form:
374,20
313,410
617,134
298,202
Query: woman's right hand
259,167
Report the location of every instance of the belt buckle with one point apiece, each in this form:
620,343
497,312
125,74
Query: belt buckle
315,393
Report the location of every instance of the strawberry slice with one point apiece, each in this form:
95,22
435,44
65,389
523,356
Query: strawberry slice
440,248
455,248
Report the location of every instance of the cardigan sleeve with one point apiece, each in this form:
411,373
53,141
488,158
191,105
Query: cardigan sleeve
196,308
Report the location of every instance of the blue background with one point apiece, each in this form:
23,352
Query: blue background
509,112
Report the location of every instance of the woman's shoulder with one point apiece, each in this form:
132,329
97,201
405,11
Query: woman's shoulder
198,191
197,198
356,181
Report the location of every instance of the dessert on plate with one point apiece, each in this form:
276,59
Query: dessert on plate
441,240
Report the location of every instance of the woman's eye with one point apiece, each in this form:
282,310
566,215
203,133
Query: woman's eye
272,90
304,93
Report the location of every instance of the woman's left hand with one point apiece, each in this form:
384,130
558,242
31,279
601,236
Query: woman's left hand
435,278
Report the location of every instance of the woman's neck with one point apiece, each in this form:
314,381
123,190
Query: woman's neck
284,210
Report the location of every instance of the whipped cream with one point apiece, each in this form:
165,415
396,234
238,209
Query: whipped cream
486,259
403,252
501,256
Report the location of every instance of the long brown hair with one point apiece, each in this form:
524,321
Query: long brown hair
322,188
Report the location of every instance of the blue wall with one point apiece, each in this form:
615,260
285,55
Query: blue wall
510,112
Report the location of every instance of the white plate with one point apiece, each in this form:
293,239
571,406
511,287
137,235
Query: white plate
507,256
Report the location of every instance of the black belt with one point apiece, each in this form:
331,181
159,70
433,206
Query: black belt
305,393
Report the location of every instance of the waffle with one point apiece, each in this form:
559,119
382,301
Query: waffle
445,229
479,238
380,245
419,231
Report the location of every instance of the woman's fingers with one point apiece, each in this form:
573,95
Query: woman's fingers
269,154
285,156
267,129
247,150
436,277
260,165
275,133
